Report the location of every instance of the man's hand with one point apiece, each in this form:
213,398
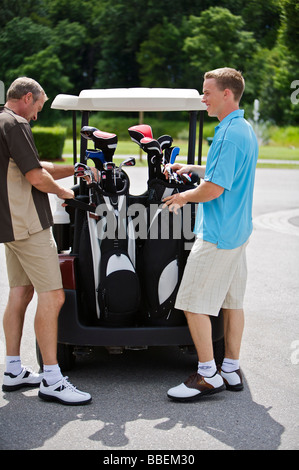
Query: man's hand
175,202
205,192
66,193
42,180
180,169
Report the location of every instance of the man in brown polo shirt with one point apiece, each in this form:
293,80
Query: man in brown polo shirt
31,254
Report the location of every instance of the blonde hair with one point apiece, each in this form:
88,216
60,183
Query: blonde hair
23,85
228,78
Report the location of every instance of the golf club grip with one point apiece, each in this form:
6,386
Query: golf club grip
80,205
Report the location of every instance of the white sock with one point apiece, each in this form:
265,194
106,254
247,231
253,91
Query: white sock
207,369
52,374
230,365
13,365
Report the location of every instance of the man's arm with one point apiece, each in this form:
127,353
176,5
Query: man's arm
206,191
58,171
63,171
42,180
179,168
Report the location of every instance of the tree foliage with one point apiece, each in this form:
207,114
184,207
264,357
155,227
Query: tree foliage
232,46
70,45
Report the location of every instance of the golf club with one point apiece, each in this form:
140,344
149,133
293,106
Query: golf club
128,162
165,141
139,132
154,156
87,132
97,156
106,142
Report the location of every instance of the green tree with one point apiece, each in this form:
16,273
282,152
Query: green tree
263,19
217,39
290,36
69,46
291,29
126,26
10,9
21,38
159,65
46,68
274,70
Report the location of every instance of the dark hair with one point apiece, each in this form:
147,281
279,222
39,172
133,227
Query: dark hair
228,78
23,85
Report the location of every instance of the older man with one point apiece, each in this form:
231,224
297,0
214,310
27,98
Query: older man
31,254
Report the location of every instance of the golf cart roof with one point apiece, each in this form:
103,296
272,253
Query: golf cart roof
131,99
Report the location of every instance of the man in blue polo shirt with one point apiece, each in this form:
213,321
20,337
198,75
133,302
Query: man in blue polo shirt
226,220
215,273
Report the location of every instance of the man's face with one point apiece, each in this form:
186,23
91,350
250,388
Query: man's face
31,108
213,97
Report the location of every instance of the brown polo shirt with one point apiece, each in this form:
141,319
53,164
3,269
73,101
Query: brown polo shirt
24,210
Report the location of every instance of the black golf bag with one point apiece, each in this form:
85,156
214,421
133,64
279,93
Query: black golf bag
163,255
121,283
107,255
118,293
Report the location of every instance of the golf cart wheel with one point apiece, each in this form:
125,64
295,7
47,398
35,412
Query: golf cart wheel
65,356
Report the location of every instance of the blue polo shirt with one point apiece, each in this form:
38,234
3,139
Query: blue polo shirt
227,220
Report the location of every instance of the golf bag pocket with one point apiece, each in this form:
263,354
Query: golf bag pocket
119,289
163,257
86,276
161,275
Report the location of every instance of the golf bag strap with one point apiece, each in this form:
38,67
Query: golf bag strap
80,205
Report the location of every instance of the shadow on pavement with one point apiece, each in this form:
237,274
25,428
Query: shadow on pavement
131,387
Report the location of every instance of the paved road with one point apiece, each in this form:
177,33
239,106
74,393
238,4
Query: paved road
130,410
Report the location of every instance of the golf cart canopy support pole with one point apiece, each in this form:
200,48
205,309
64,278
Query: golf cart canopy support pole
192,137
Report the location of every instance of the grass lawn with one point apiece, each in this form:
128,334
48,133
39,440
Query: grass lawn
266,152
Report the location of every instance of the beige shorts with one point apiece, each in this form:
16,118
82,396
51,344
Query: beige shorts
34,261
213,278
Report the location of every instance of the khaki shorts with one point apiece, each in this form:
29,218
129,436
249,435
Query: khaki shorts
34,261
213,278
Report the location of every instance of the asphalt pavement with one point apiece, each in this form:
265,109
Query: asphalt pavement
130,410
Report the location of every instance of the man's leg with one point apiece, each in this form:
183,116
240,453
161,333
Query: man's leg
54,387
206,380
46,322
16,376
201,332
13,319
233,322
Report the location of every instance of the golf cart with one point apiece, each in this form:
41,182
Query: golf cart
133,306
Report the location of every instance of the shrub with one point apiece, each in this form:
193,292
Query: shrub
49,142
286,136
